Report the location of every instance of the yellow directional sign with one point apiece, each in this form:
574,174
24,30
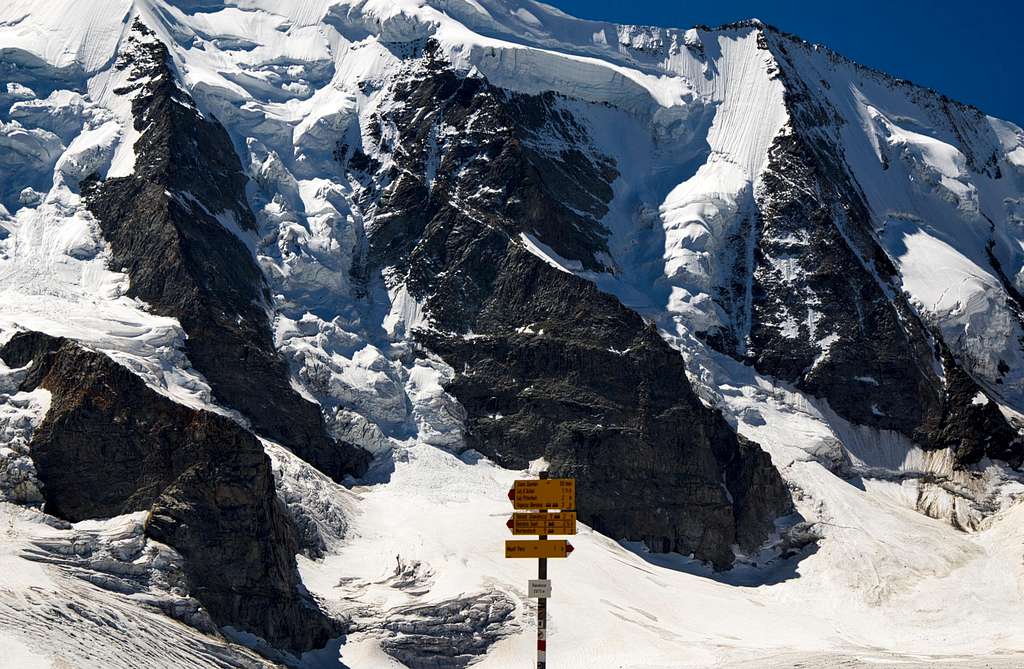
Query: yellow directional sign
537,548
561,522
544,494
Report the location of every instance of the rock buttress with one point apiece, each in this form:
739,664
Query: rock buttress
164,225
110,445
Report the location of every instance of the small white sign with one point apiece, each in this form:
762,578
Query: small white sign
540,588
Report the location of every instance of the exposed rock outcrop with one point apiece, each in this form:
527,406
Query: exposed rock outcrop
109,445
567,374
555,368
168,228
828,313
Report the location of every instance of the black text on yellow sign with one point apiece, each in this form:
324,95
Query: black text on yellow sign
537,548
561,522
541,494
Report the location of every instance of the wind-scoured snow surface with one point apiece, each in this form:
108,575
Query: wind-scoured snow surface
689,117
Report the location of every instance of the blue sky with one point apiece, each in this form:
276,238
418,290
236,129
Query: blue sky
971,50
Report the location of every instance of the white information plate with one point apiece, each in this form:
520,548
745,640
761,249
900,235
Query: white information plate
540,588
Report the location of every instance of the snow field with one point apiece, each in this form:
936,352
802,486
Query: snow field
688,119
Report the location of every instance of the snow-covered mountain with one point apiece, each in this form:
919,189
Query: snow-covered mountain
290,292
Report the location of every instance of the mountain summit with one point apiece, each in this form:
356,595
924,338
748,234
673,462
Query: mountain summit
290,292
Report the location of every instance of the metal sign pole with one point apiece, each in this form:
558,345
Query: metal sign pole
542,607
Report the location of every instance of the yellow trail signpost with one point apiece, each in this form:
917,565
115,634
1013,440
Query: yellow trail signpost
543,494
560,522
536,498
537,548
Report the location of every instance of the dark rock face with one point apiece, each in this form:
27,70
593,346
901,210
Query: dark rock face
556,369
109,445
807,278
183,262
599,395
972,430
827,313
500,173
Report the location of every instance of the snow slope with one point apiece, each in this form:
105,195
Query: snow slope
689,117
879,583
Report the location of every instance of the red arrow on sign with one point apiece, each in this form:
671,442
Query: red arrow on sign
568,548
510,524
512,494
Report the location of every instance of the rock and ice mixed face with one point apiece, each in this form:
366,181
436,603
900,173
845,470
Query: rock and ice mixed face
364,228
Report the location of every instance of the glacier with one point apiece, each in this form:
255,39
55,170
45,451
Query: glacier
918,561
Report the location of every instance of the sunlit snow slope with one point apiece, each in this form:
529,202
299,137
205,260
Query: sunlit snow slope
919,558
